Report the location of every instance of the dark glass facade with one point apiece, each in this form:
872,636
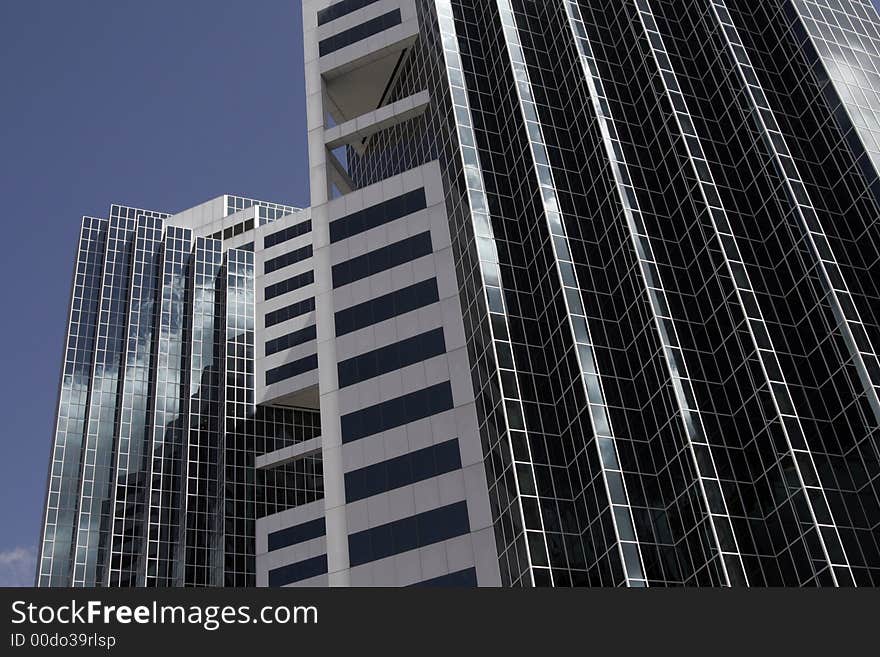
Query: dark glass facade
152,480
664,223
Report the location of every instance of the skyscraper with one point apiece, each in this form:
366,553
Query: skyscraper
588,296
152,480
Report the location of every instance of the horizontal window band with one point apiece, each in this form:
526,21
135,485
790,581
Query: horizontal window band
340,9
461,578
292,369
382,259
297,534
408,534
387,306
289,285
402,470
289,312
392,357
396,412
287,259
296,572
291,340
377,215
359,32
288,233
232,231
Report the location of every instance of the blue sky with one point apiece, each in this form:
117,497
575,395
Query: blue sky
160,104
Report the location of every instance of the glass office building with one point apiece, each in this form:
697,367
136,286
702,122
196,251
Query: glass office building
588,295
152,479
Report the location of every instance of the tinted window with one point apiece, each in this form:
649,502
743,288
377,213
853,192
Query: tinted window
297,255
232,231
289,285
290,340
390,358
466,577
376,215
358,32
396,412
298,571
289,370
402,470
289,312
408,534
387,306
382,259
297,534
340,9
287,234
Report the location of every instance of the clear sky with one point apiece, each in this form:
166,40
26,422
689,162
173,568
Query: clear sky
158,104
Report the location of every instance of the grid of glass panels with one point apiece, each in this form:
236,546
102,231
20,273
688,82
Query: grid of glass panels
650,273
164,529
738,272
577,323
203,513
95,510
652,451
753,241
520,553
292,484
838,32
436,135
134,434
708,457
238,455
847,35
266,212
830,159
149,323
831,276
76,375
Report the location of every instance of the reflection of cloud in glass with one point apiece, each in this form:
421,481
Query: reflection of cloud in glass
17,566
